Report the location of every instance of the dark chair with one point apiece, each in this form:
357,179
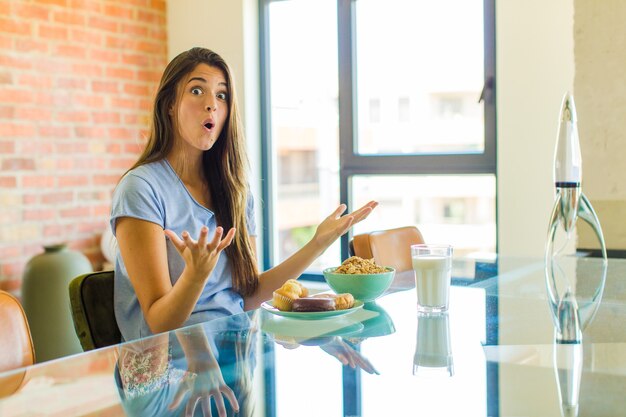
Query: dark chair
91,296
390,247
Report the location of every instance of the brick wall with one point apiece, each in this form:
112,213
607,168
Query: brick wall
76,83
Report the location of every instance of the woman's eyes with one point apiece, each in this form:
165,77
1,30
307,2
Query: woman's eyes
197,91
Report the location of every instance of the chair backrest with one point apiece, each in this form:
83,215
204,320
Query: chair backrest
390,247
91,296
16,344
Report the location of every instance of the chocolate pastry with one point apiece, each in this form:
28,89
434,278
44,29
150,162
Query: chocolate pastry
309,304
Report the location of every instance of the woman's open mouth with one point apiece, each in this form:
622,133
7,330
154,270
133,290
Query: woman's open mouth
209,125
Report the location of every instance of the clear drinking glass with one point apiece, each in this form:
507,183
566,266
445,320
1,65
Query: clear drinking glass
433,355
432,265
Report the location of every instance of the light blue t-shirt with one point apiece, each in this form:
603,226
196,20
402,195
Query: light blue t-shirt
153,192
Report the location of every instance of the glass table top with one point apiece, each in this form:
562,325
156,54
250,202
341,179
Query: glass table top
499,351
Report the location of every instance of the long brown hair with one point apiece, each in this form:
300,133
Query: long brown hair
224,165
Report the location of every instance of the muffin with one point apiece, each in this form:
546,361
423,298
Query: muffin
283,299
295,287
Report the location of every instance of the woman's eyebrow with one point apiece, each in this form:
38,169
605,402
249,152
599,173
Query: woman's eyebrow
222,83
196,79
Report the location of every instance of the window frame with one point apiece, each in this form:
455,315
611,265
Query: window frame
350,162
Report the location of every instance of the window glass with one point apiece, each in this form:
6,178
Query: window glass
304,122
420,72
455,209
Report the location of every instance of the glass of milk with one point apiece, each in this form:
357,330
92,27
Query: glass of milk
433,355
432,265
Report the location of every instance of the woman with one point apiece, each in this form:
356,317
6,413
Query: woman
190,181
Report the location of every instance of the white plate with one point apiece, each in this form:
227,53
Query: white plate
310,315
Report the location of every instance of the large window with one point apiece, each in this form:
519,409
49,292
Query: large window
391,100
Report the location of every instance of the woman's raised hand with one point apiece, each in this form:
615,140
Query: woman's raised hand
335,225
201,256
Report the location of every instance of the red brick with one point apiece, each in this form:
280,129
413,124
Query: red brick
10,252
87,70
18,164
158,35
21,63
17,130
102,211
62,132
105,87
33,113
62,3
73,116
134,148
38,215
53,32
37,181
102,23
73,181
140,60
59,230
105,55
57,197
106,118
7,147
90,100
35,81
8,182
71,51
14,96
150,17
35,147
75,212
87,36
125,103
141,90
113,148
72,147
119,12
87,5
7,112
6,42
92,132
57,99
106,179
120,42
122,163
135,30
16,27
158,5
117,72
150,76
72,83
122,133
31,45
26,11
69,17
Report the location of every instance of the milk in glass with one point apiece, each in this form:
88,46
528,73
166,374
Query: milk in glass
432,281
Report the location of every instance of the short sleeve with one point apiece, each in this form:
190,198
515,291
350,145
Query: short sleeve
250,220
135,197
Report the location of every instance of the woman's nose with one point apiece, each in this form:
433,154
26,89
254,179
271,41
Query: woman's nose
211,105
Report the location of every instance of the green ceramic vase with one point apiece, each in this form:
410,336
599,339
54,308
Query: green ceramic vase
46,301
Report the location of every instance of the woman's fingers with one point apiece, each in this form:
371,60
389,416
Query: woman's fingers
230,395
204,233
219,404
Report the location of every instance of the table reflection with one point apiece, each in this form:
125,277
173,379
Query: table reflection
204,371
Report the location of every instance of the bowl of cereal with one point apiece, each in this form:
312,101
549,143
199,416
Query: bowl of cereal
360,277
